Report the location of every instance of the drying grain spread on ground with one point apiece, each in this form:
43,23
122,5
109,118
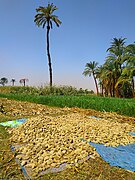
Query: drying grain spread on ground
57,136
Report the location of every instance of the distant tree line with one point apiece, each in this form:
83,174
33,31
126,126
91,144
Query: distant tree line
4,81
46,90
116,77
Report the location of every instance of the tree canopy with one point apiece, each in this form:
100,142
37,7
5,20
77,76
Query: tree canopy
3,81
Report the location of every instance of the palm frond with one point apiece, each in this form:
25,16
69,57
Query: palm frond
45,14
122,80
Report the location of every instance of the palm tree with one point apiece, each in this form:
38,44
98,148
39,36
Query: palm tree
101,77
128,71
116,56
3,81
117,48
23,81
44,18
126,80
90,69
13,82
105,74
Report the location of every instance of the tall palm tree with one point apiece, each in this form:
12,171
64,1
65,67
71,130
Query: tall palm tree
13,81
101,78
128,71
90,69
126,80
130,54
105,74
45,17
23,81
117,52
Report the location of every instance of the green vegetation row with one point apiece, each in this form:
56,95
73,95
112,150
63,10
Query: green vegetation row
46,90
121,106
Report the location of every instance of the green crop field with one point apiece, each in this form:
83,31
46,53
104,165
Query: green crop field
119,105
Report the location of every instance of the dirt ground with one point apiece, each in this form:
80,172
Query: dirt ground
94,168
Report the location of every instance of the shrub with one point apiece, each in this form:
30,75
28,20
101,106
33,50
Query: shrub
44,91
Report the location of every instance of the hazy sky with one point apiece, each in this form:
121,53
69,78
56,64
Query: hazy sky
87,29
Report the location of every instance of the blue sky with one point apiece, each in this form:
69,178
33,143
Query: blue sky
87,29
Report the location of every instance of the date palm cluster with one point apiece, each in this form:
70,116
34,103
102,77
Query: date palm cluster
116,76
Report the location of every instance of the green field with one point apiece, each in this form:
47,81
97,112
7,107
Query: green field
118,105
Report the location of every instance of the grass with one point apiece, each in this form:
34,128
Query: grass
118,105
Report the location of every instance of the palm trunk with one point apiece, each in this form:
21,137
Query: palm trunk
133,87
24,82
96,84
118,87
13,83
117,92
110,90
113,87
48,54
102,89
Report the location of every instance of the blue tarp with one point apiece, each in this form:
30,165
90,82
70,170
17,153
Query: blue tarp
22,167
13,123
95,117
132,133
121,156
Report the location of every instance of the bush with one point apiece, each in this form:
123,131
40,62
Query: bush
46,90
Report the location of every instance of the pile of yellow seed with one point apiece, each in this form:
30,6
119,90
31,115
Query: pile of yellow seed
48,142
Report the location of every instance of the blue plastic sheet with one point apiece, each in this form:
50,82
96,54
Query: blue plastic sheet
132,133
121,156
94,117
13,123
22,167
